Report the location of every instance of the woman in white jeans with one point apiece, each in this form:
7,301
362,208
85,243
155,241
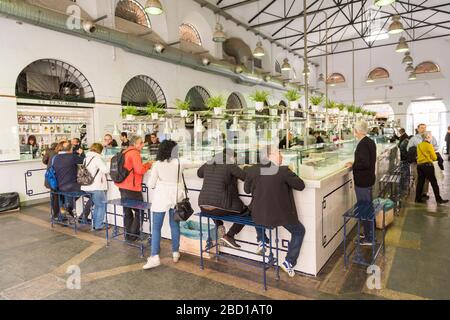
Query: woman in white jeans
98,169
163,179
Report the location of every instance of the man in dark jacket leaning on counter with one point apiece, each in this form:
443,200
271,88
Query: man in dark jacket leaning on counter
273,202
364,172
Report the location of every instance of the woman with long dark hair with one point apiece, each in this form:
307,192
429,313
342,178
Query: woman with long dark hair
167,181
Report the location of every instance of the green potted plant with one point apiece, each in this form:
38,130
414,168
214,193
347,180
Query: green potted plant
316,102
351,109
154,109
358,111
130,112
292,96
216,103
332,107
259,96
183,106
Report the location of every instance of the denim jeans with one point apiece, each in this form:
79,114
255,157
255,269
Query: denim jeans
297,232
98,215
158,219
365,195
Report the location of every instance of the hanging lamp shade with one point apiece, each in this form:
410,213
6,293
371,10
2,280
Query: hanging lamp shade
382,3
321,78
285,66
396,26
407,58
412,76
259,50
306,71
402,46
370,79
153,7
409,68
219,35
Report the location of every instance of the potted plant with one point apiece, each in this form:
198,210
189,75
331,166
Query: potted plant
351,109
292,96
216,103
259,97
154,109
316,101
341,108
358,111
130,112
183,106
332,107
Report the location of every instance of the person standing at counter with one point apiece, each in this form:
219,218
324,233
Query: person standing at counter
153,143
98,169
131,187
34,145
404,164
76,147
124,139
425,169
66,166
364,173
447,141
109,142
318,137
166,179
219,194
283,142
273,203
47,160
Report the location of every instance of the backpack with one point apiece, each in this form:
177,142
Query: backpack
117,170
84,177
411,156
50,176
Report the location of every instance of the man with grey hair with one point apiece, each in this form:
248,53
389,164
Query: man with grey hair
364,172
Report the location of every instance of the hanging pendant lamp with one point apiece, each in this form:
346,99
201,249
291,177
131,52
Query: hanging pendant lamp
219,35
382,3
409,68
285,66
396,26
259,50
153,7
407,58
412,76
402,46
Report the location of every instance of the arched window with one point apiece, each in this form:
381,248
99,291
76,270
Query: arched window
52,79
378,73
427,67
190,34
235,101
132,10
335,78
141,90
198,96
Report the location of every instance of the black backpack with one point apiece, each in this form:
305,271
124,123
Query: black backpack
117,170
411,156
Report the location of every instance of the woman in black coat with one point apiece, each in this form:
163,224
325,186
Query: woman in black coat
219,194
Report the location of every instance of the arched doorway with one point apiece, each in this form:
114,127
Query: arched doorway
430,112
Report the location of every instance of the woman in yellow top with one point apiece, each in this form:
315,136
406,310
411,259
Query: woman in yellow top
425,169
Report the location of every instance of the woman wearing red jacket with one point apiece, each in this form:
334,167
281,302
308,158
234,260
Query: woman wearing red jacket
131,187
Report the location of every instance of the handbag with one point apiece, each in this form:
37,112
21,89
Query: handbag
183,209
84,177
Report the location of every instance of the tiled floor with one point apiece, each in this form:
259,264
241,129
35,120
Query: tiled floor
34,258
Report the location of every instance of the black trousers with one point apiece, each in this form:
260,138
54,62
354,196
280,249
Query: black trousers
235,228
132,217
426,171
55,205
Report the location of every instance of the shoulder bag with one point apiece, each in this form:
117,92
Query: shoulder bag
183,209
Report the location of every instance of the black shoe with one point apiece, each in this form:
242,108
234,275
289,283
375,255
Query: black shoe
441,201
229,241
425,196
419,201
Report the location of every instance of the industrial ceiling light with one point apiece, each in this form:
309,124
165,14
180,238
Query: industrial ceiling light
370,79
402,46
285,66
407,58
321,78
306,71
238,69
159,48
396,26
382,3
267,78
259,50
412,76
90,26
219,35
153,7
409,68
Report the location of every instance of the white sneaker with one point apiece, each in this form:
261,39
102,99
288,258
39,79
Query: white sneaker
176,256
152,262
260,248
288,268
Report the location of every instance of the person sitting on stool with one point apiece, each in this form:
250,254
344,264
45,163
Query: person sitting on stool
425,169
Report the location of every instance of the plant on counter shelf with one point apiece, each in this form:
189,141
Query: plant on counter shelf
316,100
358,110
184,106
351,108
259,97
340,106
292,95
130,112
215,103
155,109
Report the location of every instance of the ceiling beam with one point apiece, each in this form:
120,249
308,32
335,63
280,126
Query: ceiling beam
238,4
261,11
427,8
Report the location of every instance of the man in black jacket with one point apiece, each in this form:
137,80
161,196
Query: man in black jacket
273,203
66,166
404,164
364,173
219,195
